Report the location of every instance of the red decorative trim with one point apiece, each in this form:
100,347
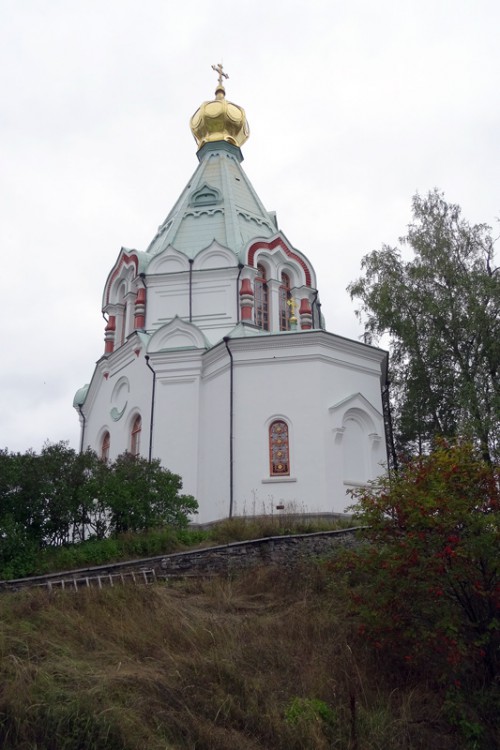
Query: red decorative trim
278,242
305,306
125,259
246,287
105,375
109,335
305,314
137,352
140,309
246,299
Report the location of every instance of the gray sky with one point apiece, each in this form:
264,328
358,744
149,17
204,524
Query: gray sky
353,107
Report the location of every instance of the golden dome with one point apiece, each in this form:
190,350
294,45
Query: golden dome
220,120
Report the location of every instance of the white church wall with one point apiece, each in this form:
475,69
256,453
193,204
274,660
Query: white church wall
299,385
176,410
214,475
167,296
264,392
114,399
358,437
214,301
332,409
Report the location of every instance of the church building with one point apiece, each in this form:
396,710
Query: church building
216,357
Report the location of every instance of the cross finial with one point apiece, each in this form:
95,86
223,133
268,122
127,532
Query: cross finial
218,69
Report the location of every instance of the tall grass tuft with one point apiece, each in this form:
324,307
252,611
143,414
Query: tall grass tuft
268,659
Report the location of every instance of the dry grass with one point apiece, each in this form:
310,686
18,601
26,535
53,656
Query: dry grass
266,660
165,540
241,528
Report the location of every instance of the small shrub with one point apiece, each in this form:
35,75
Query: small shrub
426,586
309,710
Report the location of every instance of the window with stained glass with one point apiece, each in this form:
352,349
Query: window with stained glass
284,306
261,299
279,458
135,436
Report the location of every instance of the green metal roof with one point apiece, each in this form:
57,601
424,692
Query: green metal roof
246,330
219,203
81,395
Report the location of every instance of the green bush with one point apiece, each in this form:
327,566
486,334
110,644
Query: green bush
426,586
50,504
308,710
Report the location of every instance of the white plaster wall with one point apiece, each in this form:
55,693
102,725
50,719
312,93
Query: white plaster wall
214,302
214,472
299,384
291,390
167,296
303,378
176,417
100,402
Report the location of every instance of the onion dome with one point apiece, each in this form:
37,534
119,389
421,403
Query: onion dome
220,120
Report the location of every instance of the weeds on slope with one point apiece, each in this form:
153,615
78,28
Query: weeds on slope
269,660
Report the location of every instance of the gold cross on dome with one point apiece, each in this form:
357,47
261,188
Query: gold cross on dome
292,304
218,69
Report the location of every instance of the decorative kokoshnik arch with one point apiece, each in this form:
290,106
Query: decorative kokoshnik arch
265,247
277,283
124,299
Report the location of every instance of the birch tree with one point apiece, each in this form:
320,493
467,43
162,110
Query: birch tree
441,312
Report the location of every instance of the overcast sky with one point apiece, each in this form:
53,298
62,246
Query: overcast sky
353,105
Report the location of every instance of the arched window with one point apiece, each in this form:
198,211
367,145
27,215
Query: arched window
279,453
261,299
105,443
355,446
135,436
122,316
284,306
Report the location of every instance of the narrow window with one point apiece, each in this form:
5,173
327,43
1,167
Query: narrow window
261,298
135,436
284,306
122,316
105,447
279,460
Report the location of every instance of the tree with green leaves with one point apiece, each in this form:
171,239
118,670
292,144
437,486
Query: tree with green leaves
67,488
61,497
138,494
434,563
441,311
425,585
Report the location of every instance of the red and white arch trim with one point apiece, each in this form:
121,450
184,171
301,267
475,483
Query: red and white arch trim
125,260
270,247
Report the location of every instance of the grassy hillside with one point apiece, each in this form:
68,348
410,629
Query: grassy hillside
268,660
159,541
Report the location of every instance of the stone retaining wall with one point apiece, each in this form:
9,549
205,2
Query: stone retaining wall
282,551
